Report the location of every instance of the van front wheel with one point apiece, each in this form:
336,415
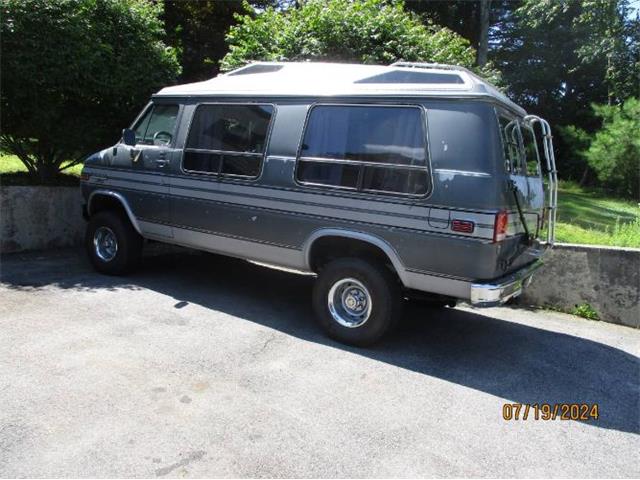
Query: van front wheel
355,301
113,245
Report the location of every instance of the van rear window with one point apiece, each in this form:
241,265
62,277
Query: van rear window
460,136
378,148
228,139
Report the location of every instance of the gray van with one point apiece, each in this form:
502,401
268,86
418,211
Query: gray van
389,182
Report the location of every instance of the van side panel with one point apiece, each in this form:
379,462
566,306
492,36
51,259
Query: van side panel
272,217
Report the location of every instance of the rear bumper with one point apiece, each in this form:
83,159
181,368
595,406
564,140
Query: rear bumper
498,291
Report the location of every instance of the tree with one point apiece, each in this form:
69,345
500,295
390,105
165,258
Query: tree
73,74
483,42
473,19
614,152
560,56
366,31
197,30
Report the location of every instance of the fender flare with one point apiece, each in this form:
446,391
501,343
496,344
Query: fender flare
121,199
375,241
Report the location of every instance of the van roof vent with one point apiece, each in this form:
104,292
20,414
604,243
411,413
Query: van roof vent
256,68
405,76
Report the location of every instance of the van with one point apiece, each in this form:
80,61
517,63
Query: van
389,182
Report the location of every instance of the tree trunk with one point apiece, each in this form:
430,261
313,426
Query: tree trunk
585,175
483,43
47,172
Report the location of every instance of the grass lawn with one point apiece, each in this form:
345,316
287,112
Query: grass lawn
589,217
584,216
11,164
13,172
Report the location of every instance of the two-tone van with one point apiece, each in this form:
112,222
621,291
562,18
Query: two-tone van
388,182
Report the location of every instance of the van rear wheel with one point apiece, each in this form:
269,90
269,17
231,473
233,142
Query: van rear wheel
356,302
112,244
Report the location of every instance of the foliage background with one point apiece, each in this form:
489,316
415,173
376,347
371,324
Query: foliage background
74,72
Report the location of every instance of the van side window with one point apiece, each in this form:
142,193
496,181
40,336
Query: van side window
510,132
157,126
531,155
373,148
227,139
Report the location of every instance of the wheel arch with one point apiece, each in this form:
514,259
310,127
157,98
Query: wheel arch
105,199
366,239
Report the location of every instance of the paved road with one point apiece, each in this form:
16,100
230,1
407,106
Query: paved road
204,366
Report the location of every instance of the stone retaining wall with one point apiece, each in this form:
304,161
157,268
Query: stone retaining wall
38,218
606,278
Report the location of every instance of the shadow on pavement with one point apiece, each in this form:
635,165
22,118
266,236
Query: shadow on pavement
519,363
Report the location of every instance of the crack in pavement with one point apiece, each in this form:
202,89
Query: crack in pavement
194,456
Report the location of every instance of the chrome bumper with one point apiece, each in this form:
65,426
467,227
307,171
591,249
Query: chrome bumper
502,289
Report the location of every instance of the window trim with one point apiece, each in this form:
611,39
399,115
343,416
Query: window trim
426,167
220,175
149,109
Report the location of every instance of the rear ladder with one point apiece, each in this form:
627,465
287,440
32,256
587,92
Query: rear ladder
552,173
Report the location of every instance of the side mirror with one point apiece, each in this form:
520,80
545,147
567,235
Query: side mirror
128,137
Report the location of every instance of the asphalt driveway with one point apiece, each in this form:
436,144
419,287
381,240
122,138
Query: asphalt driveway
199,365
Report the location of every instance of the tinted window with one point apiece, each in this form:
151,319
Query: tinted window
459,136
339,175
157,125
395,180
232,128
228,139
367,134
365,148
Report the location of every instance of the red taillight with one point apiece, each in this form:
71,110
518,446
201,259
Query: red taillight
500,227
464,226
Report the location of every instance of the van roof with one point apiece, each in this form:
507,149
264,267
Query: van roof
298,79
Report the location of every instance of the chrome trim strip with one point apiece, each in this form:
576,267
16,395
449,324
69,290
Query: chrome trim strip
464,173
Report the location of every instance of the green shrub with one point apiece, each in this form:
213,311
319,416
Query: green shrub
585,310
73,73
614,153
363,31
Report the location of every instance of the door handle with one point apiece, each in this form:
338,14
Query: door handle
161,162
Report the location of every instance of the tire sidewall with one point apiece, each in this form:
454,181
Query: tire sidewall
384,298
125,254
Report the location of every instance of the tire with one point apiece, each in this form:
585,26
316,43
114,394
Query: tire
106,258
350,281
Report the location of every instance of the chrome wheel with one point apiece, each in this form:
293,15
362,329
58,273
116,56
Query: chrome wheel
105,244
349,302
